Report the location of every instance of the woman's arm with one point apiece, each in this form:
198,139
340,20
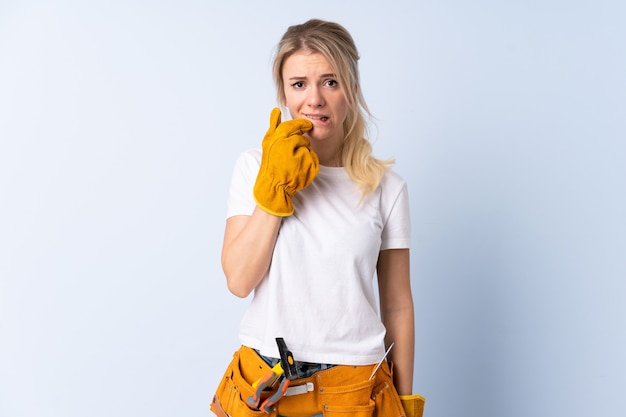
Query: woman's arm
396,306
247,250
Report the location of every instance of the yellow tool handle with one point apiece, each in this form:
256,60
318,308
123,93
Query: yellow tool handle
269,378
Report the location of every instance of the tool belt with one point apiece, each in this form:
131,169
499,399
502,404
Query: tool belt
341,390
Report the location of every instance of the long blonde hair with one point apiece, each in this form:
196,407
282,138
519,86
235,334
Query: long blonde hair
336,45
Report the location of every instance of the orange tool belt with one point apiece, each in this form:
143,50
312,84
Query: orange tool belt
338,391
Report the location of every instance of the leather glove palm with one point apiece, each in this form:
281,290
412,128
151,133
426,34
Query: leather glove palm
287,165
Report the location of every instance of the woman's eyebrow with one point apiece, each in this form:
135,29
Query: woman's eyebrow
302,77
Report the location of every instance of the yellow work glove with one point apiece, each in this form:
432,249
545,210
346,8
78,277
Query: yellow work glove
413,405
287,165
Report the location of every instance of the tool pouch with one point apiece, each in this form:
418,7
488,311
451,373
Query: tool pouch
338,391
388,402
342,390
236,386
385,396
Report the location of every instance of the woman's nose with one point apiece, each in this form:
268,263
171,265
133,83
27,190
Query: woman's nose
315,97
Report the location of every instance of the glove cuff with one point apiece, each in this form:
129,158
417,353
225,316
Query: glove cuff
272,200
413,405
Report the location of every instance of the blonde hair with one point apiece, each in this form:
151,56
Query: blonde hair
336,45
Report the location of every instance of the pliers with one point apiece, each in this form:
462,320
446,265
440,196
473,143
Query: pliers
284,371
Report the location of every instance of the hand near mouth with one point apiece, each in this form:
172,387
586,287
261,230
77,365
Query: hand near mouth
288,164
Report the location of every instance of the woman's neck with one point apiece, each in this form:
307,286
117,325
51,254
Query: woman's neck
330,158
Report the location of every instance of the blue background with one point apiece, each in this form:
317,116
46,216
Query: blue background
119,125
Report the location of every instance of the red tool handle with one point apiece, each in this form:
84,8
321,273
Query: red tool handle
262,383
268,405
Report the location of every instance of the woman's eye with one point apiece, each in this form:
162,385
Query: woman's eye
298,84
332,83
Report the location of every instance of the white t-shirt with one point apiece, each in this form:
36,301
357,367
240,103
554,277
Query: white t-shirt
319,292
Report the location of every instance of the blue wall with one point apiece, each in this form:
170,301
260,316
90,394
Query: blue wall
119,125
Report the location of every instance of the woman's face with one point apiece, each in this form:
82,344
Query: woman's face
313,92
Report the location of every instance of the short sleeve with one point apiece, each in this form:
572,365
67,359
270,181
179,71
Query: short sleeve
240,197
397,227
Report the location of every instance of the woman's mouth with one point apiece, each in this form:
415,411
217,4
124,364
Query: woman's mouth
315,117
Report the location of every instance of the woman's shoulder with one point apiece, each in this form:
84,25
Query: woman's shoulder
251,154
249,158
392,179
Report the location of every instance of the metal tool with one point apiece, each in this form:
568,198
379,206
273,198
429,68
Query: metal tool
381,360
284,371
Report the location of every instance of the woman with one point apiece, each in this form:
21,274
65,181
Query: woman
311,218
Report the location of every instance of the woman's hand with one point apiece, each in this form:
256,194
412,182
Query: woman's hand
287,165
